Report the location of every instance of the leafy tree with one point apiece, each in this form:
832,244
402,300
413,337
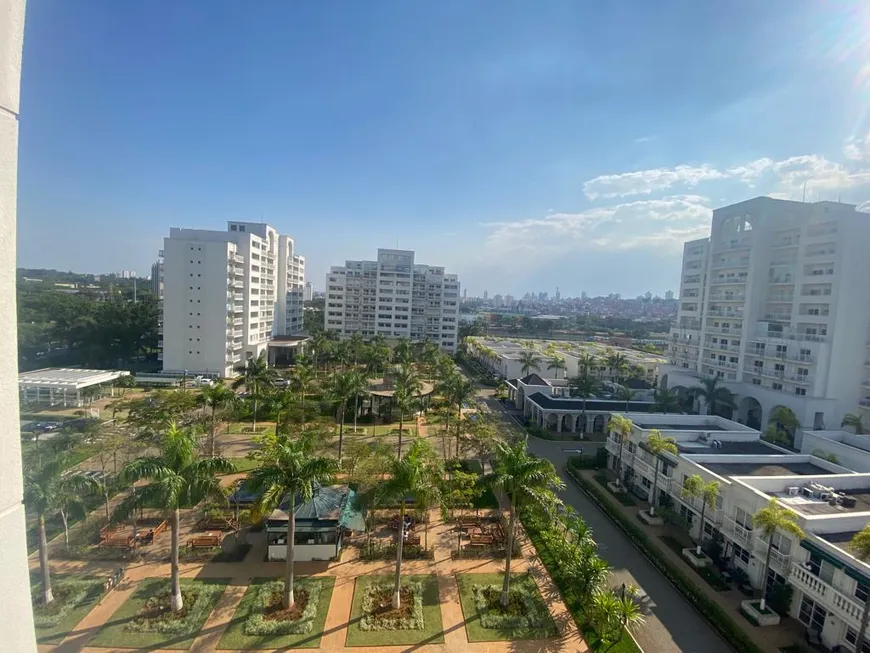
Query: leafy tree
576,553
48,489
529,360
403,353
217,396
860,547
585,387
694,487
416,475
622,427
617,362
611,614
459,490
774,518
461,390
379,356
289,470
148,416
344,387
853,422
177,476
557,363
784,419
587,363
257,377
665,401
657,444
713,394
528,482
405,393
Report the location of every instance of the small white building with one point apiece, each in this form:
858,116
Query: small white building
831,502
60,386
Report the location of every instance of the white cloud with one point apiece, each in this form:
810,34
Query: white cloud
857,149
644,182
661,223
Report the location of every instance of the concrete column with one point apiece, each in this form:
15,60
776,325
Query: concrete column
558,423
573,423
19,635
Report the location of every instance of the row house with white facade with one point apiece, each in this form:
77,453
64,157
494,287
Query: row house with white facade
831,502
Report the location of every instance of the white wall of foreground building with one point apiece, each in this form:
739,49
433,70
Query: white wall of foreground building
852,451
830,584
18,635
771,302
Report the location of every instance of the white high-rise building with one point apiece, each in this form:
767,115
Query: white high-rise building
774,302
18,634
309,291
394,298
225,294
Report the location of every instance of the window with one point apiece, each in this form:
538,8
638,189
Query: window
756,381
800,392
812,615
776,386
741,554
861,591
852,637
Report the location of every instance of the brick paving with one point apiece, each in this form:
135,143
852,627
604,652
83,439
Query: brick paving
345,571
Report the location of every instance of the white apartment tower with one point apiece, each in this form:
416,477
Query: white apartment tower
395,298
225,294
775,302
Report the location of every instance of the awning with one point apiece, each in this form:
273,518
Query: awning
836,562
352,518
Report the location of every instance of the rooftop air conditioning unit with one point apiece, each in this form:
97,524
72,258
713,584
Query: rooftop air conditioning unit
793,490
848,502
825,496
807,492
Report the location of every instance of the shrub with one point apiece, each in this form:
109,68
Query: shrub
623,497
583,462
533,614
779,598
716,616
257,624
69,594
370,621
379,551
197,605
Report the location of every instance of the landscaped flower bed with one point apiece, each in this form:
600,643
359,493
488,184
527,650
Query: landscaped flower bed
378,612
156,616
524,609
68,595
271,618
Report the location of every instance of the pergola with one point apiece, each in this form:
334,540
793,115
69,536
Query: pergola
63,386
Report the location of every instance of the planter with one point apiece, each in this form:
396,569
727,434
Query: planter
695,560
766,618
614,488
650,520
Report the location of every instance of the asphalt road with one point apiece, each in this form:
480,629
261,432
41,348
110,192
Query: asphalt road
672,624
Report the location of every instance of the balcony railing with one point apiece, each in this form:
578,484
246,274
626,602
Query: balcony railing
739,533
718,312
730,280
778,559
810,584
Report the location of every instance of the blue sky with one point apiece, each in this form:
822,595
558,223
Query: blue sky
523,145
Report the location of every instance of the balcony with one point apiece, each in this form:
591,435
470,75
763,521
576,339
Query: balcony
612,446
864,403
729,280
738,533
802,379
777,317
728,298
778,560
847,609
239,297
732,263
718,312
725,330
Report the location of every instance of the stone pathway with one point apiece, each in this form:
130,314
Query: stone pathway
345,572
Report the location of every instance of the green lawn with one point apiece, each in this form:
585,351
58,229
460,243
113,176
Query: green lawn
244,464
432,632
476,632
54,634
235,638
114,634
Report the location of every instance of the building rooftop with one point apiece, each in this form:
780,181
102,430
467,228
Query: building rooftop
546,402
677,427
740,448
813,506
843,537
766,468
64,378
534,379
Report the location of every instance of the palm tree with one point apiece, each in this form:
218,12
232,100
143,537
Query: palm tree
289,470
528,482
177,477
46,490
300,380
772,519
356,346
530,361
694,487
584,387
624,394
587,362
402,354
611,614
406,389
217,397
860,546
557,363
618,364
417,475
784,419
665,401
319,344
622,426
256,377
462,390
657,444
379,356
342,388
713,393
854,422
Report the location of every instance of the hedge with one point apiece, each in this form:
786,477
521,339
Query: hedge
718,618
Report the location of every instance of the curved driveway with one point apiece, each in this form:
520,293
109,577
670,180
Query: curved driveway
672,625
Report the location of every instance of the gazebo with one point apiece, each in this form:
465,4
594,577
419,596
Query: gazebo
63,386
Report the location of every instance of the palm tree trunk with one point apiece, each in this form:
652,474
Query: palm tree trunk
701,529
397,588
355,412
447,432
254,424
213,427
618,461
508,554
401,424
303,407
106,495
458,429
289,598
177,602
47,596
341,435
63,517
652,500
763,604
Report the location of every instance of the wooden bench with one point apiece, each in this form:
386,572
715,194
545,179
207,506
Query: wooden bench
204,541
117,540
466,522
413,540
497,533
218,524
482,540
162,526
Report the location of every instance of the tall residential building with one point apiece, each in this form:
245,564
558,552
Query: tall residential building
669,295
774,303
157,276
394,298
225,294
18,634
309,291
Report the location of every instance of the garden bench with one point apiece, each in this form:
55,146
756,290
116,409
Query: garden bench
413,540
482,540
205,541
162,526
